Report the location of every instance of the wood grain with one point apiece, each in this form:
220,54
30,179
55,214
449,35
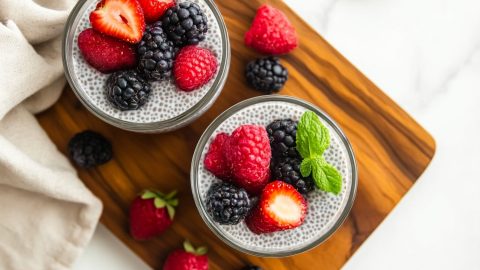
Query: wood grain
392,150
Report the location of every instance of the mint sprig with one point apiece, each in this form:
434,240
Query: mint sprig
313,139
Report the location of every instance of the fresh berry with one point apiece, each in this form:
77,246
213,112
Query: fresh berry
127,90
154,9
280,207
227,204
248,154
194,67
271,32
105,53
88,149
151,213
252,267
288,170
283,135
187,258
185,24
122,19
156,53
215,161
266,75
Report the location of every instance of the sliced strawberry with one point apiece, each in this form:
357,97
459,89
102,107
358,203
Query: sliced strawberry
122,19
280,207
154,9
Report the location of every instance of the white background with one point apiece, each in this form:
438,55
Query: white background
426,55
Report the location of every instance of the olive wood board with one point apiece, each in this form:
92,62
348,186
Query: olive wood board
391,149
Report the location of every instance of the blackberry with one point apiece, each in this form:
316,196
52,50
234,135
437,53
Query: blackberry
185,24
127,90
227,204
89,149
266,75
252,267
283,135
156,53
288,171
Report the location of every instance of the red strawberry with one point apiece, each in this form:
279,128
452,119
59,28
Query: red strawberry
280,207
187,259
271,32
105,53
151,214
122,19
154,9
194,67
214,160
248,154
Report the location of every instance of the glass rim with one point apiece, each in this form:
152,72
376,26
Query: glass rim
196,159
169,124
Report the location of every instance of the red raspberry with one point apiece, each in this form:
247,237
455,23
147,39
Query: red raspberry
271,32
248,154
104,53
214,160
194,67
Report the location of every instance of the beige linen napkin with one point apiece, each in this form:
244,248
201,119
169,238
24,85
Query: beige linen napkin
47,215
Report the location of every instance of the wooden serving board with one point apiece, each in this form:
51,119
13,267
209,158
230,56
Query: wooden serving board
392,150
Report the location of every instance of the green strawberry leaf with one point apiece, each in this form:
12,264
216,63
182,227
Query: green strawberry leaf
171,195
159,203
313,137
187,246
171,211
173,202
201,251
147,194
306,167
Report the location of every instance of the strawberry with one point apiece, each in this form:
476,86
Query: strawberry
187,259
248,154
194,67
214,160
280,207
271,32
151,213
122,19
105,53
154,9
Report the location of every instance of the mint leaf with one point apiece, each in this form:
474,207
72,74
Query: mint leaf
326,177
306,167
313,137
334,178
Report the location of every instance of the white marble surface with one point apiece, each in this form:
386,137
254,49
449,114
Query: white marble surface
426,55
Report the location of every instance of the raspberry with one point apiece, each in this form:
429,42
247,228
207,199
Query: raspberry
271,32
248,154
215,161
194,67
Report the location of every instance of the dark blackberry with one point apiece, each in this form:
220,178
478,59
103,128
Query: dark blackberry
283,136
89,149
127,90
185,24
252,267
266,75
227,204
155,53
288,171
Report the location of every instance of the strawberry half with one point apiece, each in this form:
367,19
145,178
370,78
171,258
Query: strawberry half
280,207
151,213
154,9
122,19
187,259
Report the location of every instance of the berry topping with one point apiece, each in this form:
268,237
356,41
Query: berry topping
89,149
215,161
227,204
156,53
105,53
121,19
194,67
154,9
151,213
185,24
288,170
248,154
127,90
187,259
282,135
266,75
279,208
271,32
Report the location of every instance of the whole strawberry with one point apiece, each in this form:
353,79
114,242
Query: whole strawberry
271,32
104,53
187,259
151,213
194,67
154,9
248,154
215,161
